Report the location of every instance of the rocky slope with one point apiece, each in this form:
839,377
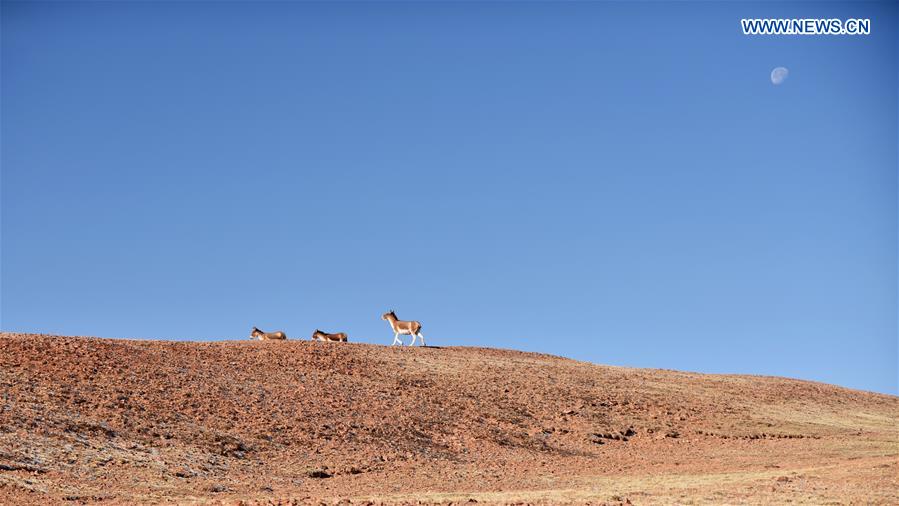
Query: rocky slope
121,421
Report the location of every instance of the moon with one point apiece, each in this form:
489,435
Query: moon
779,75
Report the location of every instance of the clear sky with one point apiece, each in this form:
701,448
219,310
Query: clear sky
614,182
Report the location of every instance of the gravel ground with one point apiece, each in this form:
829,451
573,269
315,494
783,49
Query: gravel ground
87,420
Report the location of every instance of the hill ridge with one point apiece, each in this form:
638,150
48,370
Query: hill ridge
141,420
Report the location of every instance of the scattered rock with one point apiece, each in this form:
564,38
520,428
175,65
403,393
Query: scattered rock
318,473
185,473
596,439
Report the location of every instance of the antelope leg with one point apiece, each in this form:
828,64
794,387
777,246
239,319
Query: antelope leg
422,337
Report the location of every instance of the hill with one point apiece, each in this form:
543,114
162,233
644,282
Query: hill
124,421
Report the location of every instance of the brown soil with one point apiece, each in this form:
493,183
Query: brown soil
120,422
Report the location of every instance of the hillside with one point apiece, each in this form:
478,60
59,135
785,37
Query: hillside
120,421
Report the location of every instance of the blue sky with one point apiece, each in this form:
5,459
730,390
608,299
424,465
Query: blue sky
619,183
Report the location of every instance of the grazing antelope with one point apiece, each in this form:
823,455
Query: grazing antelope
265,336
339,337
402,327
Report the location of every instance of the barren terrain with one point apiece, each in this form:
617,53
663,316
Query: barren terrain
86,420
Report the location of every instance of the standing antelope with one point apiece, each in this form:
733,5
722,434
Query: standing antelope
265,336
339,337
403,327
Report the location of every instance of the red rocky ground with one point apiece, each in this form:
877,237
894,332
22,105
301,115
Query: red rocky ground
86,420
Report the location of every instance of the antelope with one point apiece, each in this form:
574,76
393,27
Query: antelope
265,336
403,327
339,337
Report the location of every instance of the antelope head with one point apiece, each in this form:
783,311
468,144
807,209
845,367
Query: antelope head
255,332
387,314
